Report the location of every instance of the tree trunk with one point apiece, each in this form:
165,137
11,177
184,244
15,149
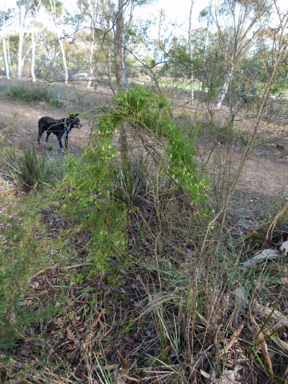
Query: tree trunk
224,88
91,66
4,46
118,46
206,39
33,53
8,53
64,60
190,51
21,37
5,58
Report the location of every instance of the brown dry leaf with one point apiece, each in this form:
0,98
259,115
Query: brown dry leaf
233,338
276,315
70,335
260,339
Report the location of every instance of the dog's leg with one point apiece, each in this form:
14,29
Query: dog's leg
60,142
40,131
47,136
66,141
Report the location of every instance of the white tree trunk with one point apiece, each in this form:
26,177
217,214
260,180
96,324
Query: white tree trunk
5,58
33,53
224,88
4,46
20,46
190,51
21,38
64,60
91,66
9,57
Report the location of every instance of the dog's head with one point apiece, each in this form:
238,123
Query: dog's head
74,121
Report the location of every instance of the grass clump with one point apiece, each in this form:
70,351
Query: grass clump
131,183
28,93
55,103
26,170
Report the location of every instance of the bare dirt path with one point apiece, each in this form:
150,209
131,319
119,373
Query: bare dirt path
261,176
20,122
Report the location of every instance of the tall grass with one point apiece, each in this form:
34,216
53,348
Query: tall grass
26,170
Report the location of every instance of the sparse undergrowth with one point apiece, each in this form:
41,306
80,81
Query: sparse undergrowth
28,93
103,279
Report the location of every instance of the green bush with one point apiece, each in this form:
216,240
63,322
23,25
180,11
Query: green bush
150,114
28,93
87,193
26,169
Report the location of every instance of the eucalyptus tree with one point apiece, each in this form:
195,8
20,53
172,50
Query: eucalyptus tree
273,56
54,10
23,9
111,24
190,50
34,6
89,9
206,13
238,22
5,17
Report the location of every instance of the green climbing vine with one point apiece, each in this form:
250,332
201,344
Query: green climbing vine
151,114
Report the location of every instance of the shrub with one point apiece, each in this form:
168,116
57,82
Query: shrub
88,195
150,114
28,93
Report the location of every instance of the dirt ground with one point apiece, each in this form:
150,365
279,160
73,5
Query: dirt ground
24,119
265,173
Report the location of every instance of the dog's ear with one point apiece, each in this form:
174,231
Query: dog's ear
76,114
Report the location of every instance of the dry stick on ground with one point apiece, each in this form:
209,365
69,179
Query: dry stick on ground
231,190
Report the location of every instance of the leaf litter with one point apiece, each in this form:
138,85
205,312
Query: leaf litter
109,325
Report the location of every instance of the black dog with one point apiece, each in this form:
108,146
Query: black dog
60,128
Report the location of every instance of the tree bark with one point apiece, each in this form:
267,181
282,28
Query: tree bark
224,88
5,57
206,39
33,52
91,66
20,44
4,47
118,46
64,59
190,51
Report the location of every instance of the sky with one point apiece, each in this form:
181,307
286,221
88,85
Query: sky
179,10
176,12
